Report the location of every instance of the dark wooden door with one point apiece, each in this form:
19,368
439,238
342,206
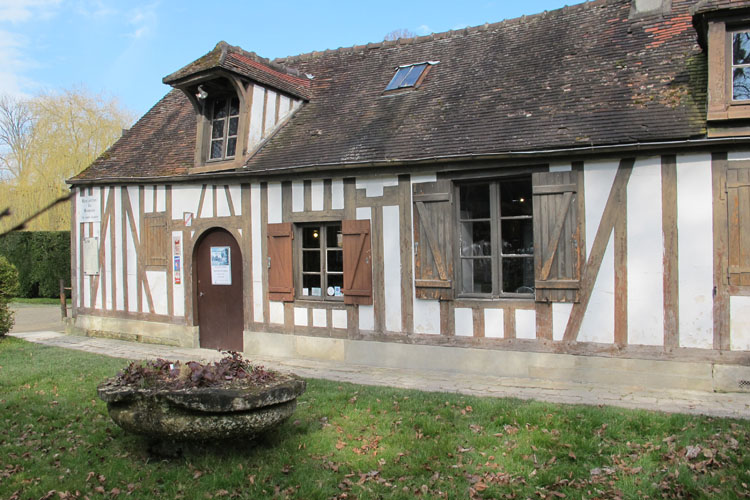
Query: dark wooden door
219,305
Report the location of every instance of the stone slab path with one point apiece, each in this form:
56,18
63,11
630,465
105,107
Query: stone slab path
735,405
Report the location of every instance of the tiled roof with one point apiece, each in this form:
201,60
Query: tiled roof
580,76
704,6
248,64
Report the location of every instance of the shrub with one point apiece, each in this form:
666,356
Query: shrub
8,289
42,258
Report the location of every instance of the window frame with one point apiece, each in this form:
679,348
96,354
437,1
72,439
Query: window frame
324,273
497,256
225,135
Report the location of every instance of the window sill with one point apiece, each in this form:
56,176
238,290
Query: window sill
217,166
307,301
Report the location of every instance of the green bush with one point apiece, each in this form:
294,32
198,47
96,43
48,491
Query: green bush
42,258
8,289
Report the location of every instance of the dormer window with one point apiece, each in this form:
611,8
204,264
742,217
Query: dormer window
410,75
225,119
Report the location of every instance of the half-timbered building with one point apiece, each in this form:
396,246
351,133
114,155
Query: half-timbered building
559,196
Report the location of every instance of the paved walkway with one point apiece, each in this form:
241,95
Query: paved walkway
735,405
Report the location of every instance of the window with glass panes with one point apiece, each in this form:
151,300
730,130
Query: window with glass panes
496,244
322,266
225,120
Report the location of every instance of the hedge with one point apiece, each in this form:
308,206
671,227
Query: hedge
42,258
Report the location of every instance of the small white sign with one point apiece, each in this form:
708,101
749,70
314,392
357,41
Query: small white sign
90,256
90,209
188,217
221,266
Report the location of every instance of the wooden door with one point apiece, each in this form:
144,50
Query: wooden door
219,290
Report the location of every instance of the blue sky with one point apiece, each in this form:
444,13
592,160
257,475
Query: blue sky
123,48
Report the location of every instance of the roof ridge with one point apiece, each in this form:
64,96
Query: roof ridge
434,36
262,60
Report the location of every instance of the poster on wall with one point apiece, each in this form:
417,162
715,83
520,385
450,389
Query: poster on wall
176,254
221,266
90,209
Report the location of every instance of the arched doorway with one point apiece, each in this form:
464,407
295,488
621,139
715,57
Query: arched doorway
217,274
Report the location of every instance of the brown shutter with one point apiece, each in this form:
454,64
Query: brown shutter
280,281
738,219
357,262
155,239
433,240
558,242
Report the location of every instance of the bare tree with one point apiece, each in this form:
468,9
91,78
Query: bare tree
400,33
15,137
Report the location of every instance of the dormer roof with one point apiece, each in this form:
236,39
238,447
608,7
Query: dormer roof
245,64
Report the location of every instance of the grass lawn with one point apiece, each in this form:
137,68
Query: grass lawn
351,441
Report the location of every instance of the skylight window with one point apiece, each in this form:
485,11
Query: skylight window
409,75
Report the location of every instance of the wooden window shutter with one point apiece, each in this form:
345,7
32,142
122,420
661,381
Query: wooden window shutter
280,280
357,262
154,239
558,230
738,220
433,240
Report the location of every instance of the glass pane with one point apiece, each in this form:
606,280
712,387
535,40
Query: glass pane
333,236
217,132
476,275
518,236
515,198
233,126
413,75
217,149
234,107
231,146
335,261
220,108
311,282
518,275
741,48
741,84
475,201
311,237
475,239
336,280
398,78
311,261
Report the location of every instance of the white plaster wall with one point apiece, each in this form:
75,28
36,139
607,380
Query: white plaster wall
276,312
494,323
373,185
645,254
184,199
256,117
298,196
257,269
316,195
695,250
560,316
148,199
300,316
222,202
337,194
525,324
161,198
274,203
270,112
132,255
338,317
392,268
598,177
79,229
319,318
284,106
120,249
178,291
207,210
98,233
235,190
739,323
366,313
157,280
464,322
599,319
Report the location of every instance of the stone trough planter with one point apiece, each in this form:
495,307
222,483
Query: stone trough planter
222,411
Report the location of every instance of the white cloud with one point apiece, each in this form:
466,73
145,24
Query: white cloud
95,9
144,20
16,11
423,30
12,65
